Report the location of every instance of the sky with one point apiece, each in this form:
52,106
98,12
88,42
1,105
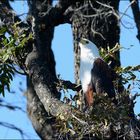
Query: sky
62,46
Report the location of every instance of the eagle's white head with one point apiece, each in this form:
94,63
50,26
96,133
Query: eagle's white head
88,49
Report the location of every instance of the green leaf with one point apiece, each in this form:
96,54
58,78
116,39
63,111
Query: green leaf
2,30
136,68
10,76
2,90
8,87
6,76
5,57
5,41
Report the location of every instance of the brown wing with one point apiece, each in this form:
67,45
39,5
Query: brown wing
102,78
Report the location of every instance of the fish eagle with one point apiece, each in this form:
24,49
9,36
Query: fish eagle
95,74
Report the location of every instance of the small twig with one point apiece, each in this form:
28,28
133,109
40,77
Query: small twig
93,15
113,50
109,7
95,32
126,26
69,85
126,15
91,5
135,96
81,7
105,5
79,120
13,127
127,9
11,107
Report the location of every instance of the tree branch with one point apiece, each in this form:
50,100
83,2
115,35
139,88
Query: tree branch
59,14
8,17
136,13
42,79
43,123
13,127
68,85
11,107
41,65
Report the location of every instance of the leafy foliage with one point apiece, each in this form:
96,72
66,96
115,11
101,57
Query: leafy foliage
129,73
6,74
12,53
110,52
103,120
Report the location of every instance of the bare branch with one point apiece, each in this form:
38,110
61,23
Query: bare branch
13,127
8,16
59,14
131,3
10,106
95,32
122,13
109,7
39,73
68,85
79,120
126,26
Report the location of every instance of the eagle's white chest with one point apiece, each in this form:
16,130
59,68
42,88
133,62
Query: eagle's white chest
86,65
85,75
87,59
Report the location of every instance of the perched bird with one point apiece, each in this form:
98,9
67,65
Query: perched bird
95,74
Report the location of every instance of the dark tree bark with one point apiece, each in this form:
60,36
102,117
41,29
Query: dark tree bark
136,13
95,20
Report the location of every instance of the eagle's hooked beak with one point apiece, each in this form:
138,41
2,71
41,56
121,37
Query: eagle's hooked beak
78,39
82,41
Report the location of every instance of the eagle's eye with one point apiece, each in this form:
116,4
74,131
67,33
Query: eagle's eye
86,42
83,41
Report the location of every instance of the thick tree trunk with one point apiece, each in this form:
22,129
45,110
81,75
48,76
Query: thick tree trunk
42,122
42,75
